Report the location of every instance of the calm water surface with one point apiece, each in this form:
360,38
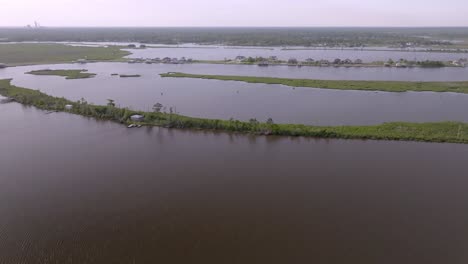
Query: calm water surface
220,53
74,190
225,100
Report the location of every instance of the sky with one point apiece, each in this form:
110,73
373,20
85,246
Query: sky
234,13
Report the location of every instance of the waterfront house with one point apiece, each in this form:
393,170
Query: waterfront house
324,63
81,61
263,63
241,58
137,118
401,65
358,61
309,60
174,61
347,61
273,58
166,60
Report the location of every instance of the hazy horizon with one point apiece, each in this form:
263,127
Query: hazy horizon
241,13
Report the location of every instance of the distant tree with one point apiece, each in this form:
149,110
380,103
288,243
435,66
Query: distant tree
292,61
157,107
270,121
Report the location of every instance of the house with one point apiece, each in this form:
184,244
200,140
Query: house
131,46
347,61
337,61
459,63
174,61
2,65
324,63
241,58
273,58
183,60
400,65
81,61
137,118
263,63
166,60
358,61
310,60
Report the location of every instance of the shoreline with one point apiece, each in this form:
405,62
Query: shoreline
442,132
384,86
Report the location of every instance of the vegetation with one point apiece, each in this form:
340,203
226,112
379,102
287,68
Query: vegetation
387,86
129,75
430,132
33,53
68,74
320,37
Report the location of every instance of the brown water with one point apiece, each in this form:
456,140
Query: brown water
243,101
74,190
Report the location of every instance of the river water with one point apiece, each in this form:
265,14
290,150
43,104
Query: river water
76,190
225,100
221,53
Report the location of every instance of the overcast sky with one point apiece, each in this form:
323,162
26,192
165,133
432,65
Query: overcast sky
234,12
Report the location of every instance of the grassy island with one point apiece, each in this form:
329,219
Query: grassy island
129,75
387,86
430,132
19,54
68,74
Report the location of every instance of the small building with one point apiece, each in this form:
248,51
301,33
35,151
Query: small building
137,118
68,107
273,58
401,65
347,61
2,65
324,63
241,58
82,61
166,60
310,60
263,63
131,46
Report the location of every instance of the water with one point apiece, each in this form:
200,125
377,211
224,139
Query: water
225,100
75,190
221,53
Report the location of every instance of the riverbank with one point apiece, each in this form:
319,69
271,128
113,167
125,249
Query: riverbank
386,86
453,132
68,74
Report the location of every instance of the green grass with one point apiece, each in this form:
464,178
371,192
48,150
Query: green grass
429,132
31,54
387,86
68,74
